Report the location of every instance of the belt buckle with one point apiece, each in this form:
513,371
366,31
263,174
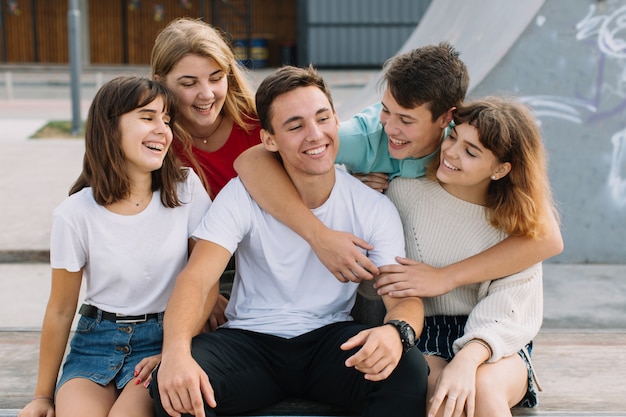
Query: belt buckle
119,318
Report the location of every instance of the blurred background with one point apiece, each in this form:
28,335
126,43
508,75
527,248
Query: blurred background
566,59
271,32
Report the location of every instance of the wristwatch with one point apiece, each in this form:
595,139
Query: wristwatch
407,334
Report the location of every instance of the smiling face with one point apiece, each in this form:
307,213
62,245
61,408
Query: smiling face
200,87
412,132
145,137
305,132
466,167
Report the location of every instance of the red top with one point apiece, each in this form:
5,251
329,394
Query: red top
218,165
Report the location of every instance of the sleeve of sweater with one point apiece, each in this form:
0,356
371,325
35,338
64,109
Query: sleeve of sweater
508,315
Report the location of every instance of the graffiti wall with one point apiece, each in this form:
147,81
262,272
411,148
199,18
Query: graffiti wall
569,66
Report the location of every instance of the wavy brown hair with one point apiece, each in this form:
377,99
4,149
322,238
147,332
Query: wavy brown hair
104,163
520,202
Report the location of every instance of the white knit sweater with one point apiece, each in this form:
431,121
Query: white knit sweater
441,229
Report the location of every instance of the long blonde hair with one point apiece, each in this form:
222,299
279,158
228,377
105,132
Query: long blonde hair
519,203
186,36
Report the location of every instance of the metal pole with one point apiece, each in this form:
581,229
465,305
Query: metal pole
73,20
8,80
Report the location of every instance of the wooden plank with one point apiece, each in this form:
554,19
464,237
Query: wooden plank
581,374
581,371
18,24
52,31
105,33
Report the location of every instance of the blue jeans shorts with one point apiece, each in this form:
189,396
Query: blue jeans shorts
103,351
439,335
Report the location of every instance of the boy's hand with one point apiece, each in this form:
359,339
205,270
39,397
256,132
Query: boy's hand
340,253
380,353
183,385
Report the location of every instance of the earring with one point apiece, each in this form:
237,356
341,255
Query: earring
493,177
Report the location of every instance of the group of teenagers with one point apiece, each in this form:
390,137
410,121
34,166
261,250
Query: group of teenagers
438,206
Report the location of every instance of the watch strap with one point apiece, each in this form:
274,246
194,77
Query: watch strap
407,333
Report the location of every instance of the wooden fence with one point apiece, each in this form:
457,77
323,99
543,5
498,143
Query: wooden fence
123,31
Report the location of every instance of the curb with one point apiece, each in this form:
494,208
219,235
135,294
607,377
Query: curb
24,256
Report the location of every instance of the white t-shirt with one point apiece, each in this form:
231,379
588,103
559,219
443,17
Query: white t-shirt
130,262
281,287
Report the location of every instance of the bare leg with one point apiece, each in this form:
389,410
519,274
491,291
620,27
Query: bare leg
436,365
500,386
81,397
134,401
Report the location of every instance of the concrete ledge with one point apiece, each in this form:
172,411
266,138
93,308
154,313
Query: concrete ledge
24,256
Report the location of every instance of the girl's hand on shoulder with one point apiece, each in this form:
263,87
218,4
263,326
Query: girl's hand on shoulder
412,279
143,370
38,407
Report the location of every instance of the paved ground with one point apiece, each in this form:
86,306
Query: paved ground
581,351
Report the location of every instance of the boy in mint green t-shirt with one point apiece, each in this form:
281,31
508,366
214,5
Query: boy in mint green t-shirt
400,135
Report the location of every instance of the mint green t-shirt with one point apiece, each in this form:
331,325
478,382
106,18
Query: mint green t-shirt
363,148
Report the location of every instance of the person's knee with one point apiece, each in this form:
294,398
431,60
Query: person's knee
403,393
500,385
411,374
490,395
485,384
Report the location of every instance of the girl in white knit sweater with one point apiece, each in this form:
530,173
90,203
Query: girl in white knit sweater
490,182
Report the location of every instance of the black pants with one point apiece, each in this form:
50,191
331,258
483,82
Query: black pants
251,370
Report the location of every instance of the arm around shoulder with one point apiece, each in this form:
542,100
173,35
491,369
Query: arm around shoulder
512,255
266,180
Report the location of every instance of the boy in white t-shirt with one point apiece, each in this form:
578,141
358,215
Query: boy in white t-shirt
289,331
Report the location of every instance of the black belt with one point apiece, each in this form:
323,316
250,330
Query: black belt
92,312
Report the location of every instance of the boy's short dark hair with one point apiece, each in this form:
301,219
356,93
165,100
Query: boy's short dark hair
281,81
432,75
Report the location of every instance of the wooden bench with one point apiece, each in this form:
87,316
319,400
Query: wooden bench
582,374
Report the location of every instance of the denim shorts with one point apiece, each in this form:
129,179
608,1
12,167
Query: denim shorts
439,335
103,351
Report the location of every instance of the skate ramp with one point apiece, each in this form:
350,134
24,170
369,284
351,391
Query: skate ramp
567,62
481,30
569,67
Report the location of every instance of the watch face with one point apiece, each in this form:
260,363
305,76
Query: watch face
410,335
407,334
